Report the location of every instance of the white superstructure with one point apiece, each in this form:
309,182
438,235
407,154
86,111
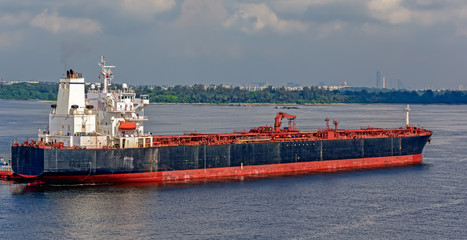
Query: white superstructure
101,118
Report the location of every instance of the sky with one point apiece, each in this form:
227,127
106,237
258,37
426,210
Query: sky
421,43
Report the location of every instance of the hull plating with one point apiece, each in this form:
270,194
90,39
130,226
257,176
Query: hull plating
232,172
182,163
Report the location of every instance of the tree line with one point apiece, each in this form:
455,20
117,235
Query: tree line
27,91
199,93
218,94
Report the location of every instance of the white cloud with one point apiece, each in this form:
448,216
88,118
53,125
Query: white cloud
390,11
301,6
429,18
426,13
424,2
382,32
257,17
298,6
196,13
327,29
461,20
14,19
56,24
147,8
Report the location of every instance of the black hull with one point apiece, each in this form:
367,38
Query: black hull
31,161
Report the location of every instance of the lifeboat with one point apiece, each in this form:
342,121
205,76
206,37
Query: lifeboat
127,125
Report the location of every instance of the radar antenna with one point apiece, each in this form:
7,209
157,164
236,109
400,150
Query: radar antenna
106,73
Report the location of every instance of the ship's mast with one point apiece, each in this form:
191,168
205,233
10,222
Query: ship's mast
106,73
407,110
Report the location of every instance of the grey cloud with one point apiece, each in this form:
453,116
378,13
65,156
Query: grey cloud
186,42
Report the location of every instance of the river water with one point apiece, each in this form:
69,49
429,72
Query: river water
427,201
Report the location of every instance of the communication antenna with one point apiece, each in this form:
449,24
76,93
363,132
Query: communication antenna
106,73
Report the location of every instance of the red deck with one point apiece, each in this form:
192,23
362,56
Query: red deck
266,134
258,134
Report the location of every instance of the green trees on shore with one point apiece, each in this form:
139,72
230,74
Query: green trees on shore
222,95
25,91
218,94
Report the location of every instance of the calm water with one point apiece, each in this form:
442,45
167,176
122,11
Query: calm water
421,202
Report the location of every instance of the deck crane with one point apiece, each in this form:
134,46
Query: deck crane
278,121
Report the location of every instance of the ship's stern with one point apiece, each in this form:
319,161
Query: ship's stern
27,161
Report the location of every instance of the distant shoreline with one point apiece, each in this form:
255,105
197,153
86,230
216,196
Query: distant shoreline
259,104
221,104
218,95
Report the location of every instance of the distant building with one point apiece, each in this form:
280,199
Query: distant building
400,85
378,79
384,81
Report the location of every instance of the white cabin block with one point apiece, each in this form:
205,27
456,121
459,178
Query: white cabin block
93,120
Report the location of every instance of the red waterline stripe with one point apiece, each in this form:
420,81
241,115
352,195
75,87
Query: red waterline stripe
226,172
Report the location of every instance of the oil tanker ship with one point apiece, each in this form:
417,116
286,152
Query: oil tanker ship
99,137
